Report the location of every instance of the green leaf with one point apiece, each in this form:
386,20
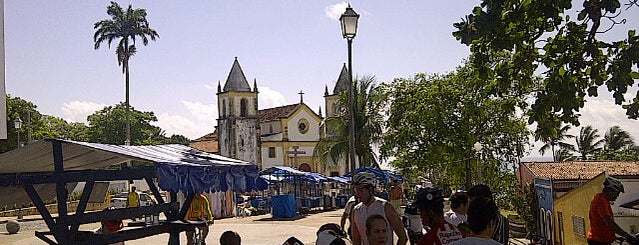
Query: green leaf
634,75
582,15
562,71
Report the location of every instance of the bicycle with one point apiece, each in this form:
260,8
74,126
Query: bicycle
197,237
625,241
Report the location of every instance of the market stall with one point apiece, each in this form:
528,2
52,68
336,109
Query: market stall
174,168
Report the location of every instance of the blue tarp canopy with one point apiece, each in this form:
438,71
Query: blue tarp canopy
280,171
179,167
383,176
341,179
289,174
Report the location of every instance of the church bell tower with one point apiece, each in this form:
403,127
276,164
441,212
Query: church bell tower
238,122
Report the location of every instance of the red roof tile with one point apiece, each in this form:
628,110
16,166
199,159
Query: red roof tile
276,113
580,170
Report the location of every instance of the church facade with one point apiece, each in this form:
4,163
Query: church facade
281,136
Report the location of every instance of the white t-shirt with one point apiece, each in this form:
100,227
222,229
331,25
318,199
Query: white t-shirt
349,205
361,213
475,241
455,218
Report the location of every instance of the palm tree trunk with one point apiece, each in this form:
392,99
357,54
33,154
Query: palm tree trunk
128,110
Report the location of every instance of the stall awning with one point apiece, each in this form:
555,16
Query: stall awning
381,175
179,167
282,171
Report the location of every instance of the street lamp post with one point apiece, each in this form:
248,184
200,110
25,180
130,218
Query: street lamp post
348,22
17,124
478,147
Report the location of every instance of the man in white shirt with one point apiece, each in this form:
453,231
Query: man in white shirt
364,186
458,207
352,201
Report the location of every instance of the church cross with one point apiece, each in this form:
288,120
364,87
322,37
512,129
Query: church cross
295,152
301,96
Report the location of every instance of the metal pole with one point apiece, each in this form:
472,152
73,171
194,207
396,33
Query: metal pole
351,109
481,180
468,181
18,130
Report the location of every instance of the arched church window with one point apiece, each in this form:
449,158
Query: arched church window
243,105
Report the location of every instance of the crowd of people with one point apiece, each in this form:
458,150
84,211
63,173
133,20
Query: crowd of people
473,218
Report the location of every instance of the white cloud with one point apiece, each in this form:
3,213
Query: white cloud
201,120
601,114
336,10
77,111
201,111
269,98
210,86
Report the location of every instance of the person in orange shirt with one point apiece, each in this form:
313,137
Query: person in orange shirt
200,210
602,223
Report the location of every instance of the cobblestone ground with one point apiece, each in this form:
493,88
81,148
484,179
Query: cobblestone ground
262,229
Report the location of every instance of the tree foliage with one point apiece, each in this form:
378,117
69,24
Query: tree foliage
567,51
16,108
434,121
588,142
551,141
368,114
107,126
617,139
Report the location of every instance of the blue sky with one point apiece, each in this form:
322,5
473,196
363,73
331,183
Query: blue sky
287,46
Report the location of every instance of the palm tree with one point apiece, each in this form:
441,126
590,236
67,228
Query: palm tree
564,154
617,139
125,26
557,140
368,104
587,143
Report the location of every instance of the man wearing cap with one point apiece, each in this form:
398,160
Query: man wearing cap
364,186
602,223
429,203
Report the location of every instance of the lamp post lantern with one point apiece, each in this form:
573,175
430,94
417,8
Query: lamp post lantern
348,22
17,124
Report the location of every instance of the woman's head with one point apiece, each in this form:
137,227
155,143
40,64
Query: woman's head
230,238
376,229
482,214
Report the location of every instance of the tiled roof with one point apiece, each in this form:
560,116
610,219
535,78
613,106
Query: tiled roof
208,137
206,143
276,113
580,170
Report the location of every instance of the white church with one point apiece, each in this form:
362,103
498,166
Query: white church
280,136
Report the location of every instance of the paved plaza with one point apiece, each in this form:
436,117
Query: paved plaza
261,229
